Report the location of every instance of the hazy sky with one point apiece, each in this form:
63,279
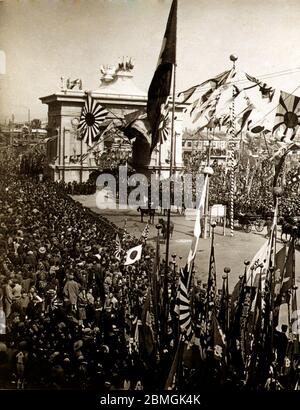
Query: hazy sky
44,40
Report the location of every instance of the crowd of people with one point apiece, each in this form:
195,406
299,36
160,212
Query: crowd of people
64,296
76,188
69,307
253,188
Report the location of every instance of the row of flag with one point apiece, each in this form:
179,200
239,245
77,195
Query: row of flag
237,334
211,110
258,107
241,334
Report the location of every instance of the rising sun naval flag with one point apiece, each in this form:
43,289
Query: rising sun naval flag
160,86
92,116
287,118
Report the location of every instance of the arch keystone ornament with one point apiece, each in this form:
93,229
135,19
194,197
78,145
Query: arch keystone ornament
92,116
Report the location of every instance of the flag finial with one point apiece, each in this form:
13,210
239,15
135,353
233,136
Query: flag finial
233,58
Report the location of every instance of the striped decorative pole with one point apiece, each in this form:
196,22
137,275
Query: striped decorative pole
233,58
231,192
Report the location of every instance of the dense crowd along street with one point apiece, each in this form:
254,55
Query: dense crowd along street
72,315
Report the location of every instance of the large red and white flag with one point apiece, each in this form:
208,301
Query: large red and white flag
160,86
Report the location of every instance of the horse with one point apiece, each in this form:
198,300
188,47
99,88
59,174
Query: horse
291,227
147,211
164,225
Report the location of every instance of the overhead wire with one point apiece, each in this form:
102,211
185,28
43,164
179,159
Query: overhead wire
275,74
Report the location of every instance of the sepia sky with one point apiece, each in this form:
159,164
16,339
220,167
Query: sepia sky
44,40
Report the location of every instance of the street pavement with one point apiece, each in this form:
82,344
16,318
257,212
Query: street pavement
229,251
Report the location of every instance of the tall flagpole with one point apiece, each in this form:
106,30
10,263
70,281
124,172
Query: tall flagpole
158,92
169,209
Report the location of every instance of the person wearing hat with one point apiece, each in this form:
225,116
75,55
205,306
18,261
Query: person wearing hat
280,344
42,251
82,304
17,292
71,292
24,302
269,223
30,259
2,315
3,245
26,280
87,249
8,297
97,273
35,303
21,360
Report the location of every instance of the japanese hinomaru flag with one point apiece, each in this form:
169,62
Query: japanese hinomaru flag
133,255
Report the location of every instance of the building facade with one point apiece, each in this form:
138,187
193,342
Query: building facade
120,97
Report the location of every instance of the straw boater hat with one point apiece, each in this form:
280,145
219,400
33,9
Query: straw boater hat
20,233
87,331
78,345
42,250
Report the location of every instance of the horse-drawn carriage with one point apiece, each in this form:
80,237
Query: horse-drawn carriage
248,221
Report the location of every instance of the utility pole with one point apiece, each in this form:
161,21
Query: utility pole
165,285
